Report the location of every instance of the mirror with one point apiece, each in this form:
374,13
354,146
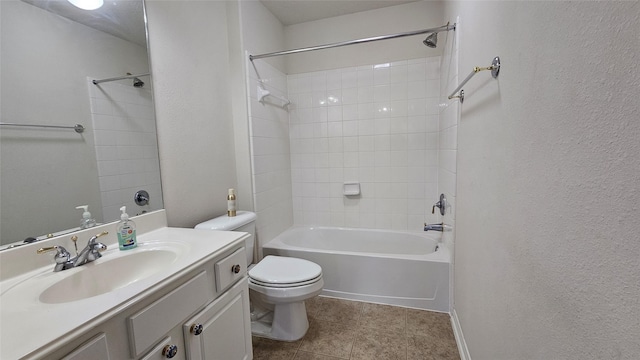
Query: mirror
51,52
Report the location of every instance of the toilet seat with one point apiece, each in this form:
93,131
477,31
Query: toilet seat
288,285
284,272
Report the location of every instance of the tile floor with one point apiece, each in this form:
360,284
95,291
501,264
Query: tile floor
342,329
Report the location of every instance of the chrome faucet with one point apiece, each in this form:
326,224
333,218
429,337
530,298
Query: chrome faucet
90,253
434,227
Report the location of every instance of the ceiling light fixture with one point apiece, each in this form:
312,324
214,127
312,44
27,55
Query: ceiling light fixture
87,4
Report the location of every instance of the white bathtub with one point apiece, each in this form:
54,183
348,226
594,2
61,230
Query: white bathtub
380,266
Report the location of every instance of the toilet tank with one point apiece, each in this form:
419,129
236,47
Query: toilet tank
244,221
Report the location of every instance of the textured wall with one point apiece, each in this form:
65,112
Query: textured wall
189,59
547,247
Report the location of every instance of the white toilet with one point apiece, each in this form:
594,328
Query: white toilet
278,285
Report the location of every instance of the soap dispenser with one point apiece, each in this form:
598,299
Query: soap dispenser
87,221
126,231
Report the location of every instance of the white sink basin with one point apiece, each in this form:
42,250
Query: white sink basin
108,274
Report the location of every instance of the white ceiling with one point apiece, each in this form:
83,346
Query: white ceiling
125,19
121,18
291,12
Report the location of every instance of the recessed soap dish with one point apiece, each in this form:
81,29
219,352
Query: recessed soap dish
351,188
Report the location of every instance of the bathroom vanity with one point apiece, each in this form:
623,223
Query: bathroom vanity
180,294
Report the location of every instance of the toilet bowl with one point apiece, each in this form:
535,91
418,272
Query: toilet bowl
278,285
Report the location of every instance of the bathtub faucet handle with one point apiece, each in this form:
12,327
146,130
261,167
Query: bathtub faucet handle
442,204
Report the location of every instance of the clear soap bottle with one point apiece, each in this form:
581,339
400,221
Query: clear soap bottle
126,231
87,221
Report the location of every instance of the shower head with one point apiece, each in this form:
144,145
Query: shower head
137,82
431,40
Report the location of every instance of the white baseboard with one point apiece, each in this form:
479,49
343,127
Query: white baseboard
457,332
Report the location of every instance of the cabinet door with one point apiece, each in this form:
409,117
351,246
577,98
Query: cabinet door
221,331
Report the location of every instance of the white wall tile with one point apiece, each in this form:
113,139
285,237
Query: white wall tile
381,133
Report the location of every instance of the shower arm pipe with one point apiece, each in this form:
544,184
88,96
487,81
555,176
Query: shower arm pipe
495,70
77,127
96,82
353,42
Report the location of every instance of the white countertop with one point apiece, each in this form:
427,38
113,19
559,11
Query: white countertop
31,328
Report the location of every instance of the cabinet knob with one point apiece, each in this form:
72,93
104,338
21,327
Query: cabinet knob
196,329
235,269
170,351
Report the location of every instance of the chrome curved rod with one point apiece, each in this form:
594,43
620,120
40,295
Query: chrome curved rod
77,127
352,42
96,82
495,71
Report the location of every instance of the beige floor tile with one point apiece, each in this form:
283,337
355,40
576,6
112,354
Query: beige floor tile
343,329
266,349
427,348
303,355
312,305
377,344
390,318
429,323
329,338
338,310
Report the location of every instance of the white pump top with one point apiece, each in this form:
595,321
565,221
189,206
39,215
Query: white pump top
86,214
124,215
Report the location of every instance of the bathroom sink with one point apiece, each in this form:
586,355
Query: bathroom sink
109,273
70,302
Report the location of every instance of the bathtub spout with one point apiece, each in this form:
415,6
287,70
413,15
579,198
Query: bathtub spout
434,227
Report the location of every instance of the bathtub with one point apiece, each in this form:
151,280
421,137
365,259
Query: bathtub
379,266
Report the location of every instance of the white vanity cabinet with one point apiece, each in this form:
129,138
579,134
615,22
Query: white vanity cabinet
212,334
202,315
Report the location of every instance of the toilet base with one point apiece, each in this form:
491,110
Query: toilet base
287,322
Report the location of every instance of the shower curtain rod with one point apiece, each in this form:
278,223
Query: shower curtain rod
96,82
352,42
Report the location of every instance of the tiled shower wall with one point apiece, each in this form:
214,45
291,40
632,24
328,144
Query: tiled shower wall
126,147
269,139
376,125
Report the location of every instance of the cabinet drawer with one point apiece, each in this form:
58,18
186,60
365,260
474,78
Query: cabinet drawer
230,269
159,352
150,324
94,349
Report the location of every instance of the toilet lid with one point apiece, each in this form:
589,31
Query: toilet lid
284,270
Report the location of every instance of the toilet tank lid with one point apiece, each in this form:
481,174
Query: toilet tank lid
228,223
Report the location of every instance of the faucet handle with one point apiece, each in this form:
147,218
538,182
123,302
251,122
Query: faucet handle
74,238
95,237
62,255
